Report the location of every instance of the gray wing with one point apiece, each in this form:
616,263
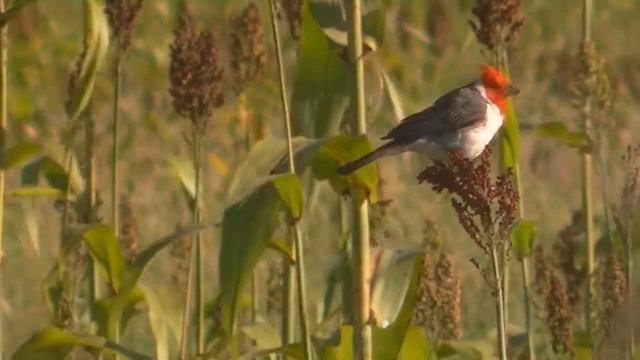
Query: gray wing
456,109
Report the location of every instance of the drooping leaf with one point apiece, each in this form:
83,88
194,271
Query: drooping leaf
282,247
105,250
110,313
321,84
164,318
558,130
263,333
185,172
57,171
479,350
31,224
392,280
96,43
393,94
339,150
53,343
247,228
387,342
11,12
20,153
415,345
289,188
522,237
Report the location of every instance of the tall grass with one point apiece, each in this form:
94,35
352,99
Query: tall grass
3,139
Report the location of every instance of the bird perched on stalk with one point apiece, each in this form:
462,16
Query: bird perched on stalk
464,120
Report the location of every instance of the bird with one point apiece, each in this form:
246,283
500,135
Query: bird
464,120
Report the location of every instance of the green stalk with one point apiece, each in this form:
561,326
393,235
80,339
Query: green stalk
195,260
297,235
3,139
587,199
117,77
500,308
630,293
527,307
90,200
361,254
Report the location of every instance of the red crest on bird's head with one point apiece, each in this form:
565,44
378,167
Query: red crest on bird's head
492,77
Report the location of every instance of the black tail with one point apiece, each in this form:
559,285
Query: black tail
390,148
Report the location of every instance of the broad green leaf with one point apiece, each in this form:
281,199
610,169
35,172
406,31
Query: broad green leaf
268,155
11,12
344,350
95,45
479,350
36,191
243,245
164,318
387,342
264,335
289,188
510,137
110,313
392,280
105,249
558,130
339,150
321,85
582,345
330,16
56,170
522,237
20,153
53,343
282,247
185,172
415,345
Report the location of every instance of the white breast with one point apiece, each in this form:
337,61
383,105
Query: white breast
477,137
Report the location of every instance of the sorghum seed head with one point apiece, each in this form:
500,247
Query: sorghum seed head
248,54
448,297
196,77
128,233
121,14
498,22
559,316
293,12
613,290
567,250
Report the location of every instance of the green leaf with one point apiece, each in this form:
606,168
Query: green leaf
53,343
95,45
321,85
522,237
391,282
510,138
112,313
243,245
558,130
415,345
479,350
36,191
387,342
20,153
344,350
264,335
53,167
289,188
185,172
105,249
282,247
164,317
31,224
11,12
339,150
393,94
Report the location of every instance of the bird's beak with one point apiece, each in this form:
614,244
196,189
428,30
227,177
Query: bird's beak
511,90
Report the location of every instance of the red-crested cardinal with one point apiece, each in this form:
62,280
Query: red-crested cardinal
463,120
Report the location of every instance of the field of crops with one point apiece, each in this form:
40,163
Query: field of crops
169,186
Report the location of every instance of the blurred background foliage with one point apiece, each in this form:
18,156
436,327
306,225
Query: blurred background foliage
424,48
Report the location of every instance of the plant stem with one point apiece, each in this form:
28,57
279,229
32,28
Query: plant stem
195,259
587,201
117,76
298,248
3,139
527,307
630,292
500,309
90,199
361,255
